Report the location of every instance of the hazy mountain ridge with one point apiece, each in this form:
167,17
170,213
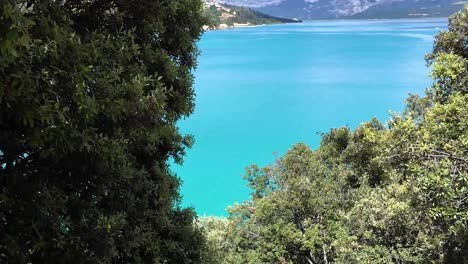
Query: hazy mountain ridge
322,9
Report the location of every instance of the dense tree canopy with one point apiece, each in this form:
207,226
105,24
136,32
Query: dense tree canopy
90,93
378,194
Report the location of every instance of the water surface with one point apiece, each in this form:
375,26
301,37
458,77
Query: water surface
260,90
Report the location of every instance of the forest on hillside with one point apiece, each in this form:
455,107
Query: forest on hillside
91,93
230,15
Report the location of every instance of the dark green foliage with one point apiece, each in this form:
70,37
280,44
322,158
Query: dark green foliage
455,40
372,195
90,93
360,155
260,181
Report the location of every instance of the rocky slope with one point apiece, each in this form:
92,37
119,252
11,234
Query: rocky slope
322,9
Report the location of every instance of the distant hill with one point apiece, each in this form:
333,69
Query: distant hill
326,9
406,9
227,16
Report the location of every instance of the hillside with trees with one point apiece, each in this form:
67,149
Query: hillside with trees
394,193
228,16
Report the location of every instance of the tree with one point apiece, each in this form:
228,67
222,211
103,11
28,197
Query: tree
90,93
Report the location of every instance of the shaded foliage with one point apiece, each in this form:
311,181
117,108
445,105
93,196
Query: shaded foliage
90,93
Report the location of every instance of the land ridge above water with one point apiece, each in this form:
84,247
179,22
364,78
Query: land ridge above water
223,16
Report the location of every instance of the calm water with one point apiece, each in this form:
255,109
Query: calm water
260,90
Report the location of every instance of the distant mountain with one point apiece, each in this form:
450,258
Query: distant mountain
227,16
324,9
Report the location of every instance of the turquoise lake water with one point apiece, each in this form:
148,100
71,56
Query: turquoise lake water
260,90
